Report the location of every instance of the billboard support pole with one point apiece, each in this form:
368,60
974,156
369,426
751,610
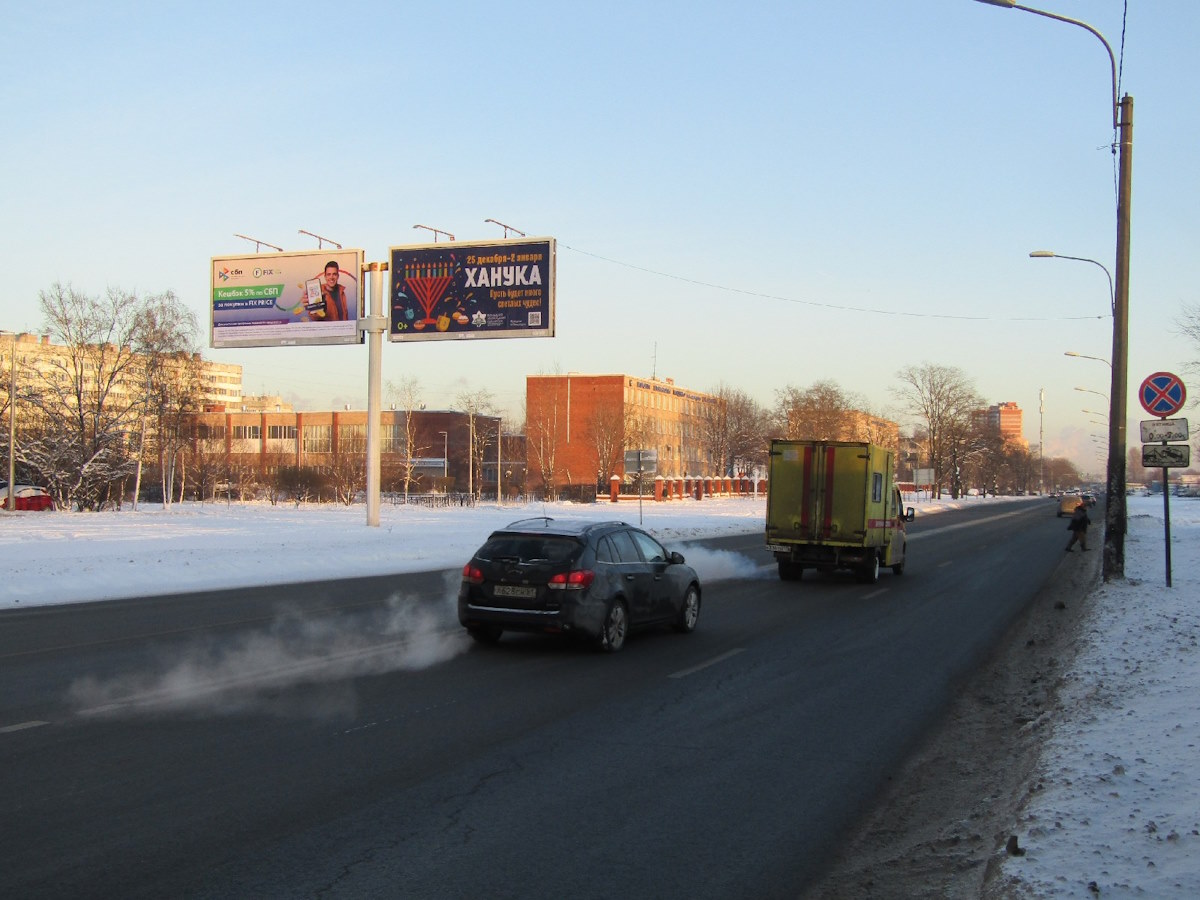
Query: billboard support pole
374,326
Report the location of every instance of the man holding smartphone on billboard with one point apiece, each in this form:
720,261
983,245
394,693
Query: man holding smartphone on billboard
332,306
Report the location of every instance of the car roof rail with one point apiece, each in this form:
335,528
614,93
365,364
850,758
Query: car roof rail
543,520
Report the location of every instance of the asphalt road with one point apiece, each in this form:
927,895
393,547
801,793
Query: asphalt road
345,739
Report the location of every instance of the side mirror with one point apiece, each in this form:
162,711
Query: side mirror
910,514
676,558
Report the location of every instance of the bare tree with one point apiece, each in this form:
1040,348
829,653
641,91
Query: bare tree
1188,325
822,412
348,465
638,435
745,427
86,406
405,392
605,433
165,341
476,405
206,455
715,438
543,435
945,402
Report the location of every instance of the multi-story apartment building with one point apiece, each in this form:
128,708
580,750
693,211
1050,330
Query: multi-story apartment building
577,427
37,359
1006,418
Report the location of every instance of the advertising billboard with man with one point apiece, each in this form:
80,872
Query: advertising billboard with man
491,289
285,299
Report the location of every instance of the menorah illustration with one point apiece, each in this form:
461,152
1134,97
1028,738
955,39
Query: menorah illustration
428,283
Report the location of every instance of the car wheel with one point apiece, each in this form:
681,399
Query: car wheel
616,627
870,570
898,568
789,571
485,634
689,612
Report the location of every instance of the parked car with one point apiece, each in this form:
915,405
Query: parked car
26,497
596,580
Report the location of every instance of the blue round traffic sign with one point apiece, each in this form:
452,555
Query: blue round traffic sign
1162,394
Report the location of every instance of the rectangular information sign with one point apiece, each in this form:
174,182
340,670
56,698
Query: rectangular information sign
1166,456
284,299
490,289
645,461
1164,430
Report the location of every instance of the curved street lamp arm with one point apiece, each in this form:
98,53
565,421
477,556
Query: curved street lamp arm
1112,60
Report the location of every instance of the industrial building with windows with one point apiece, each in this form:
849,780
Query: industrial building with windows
577,428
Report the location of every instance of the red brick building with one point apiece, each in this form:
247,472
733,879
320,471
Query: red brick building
252,444
578,427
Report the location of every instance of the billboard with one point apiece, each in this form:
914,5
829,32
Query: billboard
285,299
489,289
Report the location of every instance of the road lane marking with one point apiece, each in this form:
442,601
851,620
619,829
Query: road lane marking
9,729
683,673
875,593
958,525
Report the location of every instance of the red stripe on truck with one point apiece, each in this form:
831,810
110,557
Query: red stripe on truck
806,488
827,524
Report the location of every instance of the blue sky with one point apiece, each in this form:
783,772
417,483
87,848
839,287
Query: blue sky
771,196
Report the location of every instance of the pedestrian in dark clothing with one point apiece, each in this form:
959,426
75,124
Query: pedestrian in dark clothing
1078,527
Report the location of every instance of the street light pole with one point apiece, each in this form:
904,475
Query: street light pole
1042,441
12,426
1122,120
1085,356
1050,254
445,455
436,232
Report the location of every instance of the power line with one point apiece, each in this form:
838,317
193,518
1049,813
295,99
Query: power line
832,306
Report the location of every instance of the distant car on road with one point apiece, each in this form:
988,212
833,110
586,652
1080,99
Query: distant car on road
28,497
1068,502
596,580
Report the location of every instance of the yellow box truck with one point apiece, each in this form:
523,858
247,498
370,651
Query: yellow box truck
834,505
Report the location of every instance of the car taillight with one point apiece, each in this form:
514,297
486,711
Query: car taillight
577,580
472,574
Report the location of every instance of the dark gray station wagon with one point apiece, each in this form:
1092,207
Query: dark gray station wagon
597,580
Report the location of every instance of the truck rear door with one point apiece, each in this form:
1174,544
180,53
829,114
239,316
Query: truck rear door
817,492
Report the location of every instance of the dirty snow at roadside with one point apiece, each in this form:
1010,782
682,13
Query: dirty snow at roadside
1116,804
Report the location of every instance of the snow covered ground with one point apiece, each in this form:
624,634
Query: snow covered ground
1117,810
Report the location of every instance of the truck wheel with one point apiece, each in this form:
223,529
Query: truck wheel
869,574
898,568
789,571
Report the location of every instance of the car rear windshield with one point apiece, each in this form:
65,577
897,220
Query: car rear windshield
526,548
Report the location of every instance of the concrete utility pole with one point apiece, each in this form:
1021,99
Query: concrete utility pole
1122,123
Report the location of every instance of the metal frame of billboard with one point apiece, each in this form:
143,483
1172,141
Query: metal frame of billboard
467,291
263,300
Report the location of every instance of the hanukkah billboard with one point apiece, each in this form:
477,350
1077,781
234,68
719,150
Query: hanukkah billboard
285,299
490,289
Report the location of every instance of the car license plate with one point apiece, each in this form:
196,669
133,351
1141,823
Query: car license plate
514,590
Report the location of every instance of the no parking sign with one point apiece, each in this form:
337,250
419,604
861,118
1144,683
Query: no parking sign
1162,394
